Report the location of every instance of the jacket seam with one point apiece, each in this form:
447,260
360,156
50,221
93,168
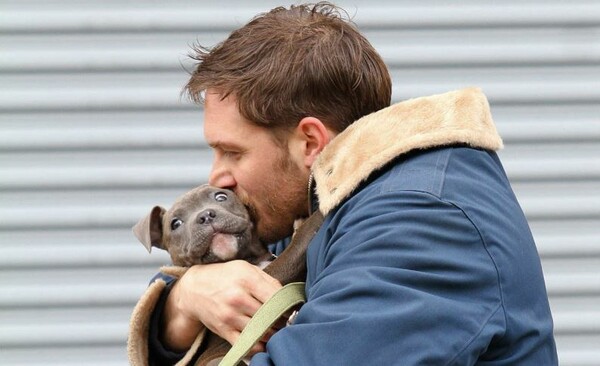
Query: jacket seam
442,170
485,246
498,281
499,307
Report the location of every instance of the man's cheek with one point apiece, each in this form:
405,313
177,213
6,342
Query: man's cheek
253,213
250,207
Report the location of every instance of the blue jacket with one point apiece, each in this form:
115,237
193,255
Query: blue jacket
425,257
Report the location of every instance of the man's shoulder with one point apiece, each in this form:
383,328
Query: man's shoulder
455,175
427,170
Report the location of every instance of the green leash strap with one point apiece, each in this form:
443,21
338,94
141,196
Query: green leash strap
283,300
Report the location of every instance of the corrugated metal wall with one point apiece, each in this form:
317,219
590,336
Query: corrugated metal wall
93,133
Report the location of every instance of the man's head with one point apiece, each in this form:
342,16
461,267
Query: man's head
275,92
287,64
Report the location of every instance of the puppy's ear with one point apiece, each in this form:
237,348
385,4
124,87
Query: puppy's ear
149,230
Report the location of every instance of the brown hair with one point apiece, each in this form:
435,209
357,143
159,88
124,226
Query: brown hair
288,64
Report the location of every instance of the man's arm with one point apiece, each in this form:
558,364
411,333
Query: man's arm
158,353
178,330
221,296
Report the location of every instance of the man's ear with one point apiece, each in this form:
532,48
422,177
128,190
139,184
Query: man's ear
149,230
313,136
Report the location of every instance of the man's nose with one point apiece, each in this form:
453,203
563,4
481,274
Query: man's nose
221,177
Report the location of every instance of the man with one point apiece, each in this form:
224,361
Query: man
424,257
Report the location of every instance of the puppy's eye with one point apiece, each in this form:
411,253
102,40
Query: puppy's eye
175,223
220,196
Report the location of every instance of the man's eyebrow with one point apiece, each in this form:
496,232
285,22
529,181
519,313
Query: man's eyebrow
221,145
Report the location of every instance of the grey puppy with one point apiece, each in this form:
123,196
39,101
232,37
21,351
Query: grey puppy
208,225
205,225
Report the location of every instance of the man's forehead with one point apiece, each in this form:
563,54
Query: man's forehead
221,117
224,124
226,134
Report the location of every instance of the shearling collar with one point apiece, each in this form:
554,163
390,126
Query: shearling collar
461,116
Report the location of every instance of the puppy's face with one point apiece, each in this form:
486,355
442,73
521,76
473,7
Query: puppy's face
205,225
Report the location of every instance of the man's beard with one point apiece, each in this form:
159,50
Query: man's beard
283,197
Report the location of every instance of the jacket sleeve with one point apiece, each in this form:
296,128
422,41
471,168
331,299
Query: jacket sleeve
400,278
159,354
144,345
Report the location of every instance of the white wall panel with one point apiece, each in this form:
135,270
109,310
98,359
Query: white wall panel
94,132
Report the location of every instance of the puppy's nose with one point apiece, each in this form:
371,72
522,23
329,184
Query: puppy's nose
206,216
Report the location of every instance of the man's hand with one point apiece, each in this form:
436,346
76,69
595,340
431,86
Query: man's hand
221,296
